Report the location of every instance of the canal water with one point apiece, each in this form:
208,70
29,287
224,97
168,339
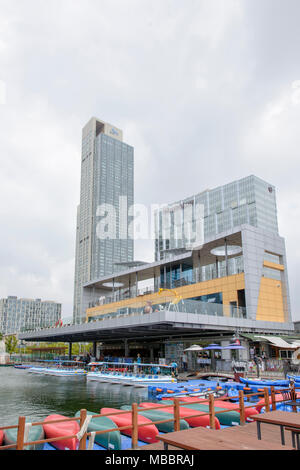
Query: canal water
36,396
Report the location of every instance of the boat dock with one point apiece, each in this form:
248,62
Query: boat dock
135,428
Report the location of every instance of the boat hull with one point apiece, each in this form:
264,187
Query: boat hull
146,433
220,404
157,415
264,383
110,440
230,418
36,433
184,413
61,429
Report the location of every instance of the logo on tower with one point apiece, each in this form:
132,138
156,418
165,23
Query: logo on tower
114,132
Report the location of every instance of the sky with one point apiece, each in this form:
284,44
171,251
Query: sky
206,91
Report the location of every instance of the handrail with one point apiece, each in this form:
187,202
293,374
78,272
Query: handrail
135,409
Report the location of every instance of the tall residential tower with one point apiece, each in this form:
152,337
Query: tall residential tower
106,195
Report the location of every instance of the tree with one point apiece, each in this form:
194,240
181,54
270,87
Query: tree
11,344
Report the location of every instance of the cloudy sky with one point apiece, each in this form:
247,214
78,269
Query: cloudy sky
207,91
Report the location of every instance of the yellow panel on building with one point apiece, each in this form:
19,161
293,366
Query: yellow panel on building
228,286
270,303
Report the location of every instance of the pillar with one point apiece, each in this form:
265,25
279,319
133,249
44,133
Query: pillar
70,351
126,347
95,349
226,257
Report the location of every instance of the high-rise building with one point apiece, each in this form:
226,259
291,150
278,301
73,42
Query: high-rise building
200,217
103,235
19,315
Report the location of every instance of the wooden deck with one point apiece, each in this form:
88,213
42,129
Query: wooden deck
269,434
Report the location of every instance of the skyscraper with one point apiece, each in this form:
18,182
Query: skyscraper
106,195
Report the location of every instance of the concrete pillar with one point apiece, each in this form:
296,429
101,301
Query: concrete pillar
70,351
151,354
95,349
126,347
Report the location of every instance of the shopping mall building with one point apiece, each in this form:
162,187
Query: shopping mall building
229,282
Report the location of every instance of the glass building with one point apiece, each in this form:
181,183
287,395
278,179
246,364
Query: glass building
19,315
107,193
204,216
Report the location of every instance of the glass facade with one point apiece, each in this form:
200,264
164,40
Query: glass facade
247,201
113,186
19,315
107,174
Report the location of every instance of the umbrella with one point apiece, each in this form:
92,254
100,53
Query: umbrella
234,346
213,347
195,347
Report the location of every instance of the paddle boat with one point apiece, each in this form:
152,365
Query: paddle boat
184,413
131,374
230,418
156,416
67,428
265,383
110,440
145,433
36,433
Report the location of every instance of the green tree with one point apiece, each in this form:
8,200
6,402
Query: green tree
11,344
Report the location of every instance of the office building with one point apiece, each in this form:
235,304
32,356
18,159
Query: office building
103,236
20,315
200,217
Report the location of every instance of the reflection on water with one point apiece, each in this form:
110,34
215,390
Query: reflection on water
36,396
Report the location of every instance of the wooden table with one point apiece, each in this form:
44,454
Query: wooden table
208,439
277,418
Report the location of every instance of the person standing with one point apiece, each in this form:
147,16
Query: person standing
257,363
184,362
286,367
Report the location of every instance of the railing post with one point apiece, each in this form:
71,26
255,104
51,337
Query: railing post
135,430
21,431
176,415
242,408
273,397
82,444
212,415
267,399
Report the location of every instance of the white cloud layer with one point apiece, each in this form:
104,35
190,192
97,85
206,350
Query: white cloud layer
206,91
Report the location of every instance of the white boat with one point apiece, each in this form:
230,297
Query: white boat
60,369
131,374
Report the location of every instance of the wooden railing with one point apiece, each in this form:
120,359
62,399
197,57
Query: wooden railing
135,426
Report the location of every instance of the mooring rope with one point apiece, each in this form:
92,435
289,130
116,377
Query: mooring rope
26,433
91,441
84,427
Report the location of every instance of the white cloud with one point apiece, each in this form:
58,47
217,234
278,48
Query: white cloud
206,93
